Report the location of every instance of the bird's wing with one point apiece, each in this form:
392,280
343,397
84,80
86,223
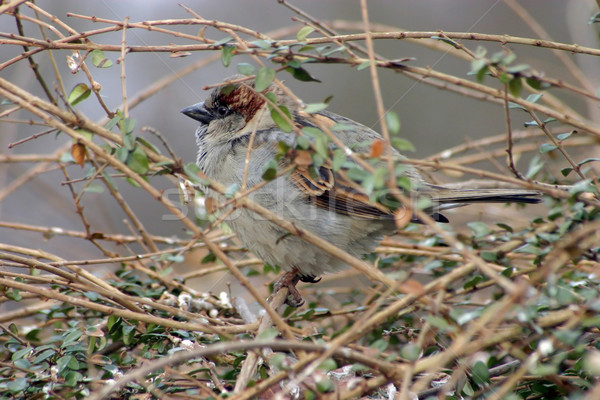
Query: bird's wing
335,192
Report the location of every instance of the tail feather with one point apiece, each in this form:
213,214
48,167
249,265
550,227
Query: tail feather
467,196
444,198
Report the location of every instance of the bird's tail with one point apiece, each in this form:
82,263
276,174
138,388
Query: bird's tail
444,198
447,196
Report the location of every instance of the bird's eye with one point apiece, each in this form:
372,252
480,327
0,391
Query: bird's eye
222,111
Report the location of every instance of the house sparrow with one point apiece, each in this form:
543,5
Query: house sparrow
318,198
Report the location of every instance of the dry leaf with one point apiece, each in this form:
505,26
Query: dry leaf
177,54
210,204
412,286
78,153
376,148
320,120
186,191
402,217
453,173
303,158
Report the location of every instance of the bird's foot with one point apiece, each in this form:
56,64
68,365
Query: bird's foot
289,281
309,278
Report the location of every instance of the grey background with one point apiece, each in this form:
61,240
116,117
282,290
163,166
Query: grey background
432,119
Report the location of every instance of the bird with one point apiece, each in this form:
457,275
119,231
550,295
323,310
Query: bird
314,194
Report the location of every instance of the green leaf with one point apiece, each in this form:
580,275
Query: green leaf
357,174
128,125
507,228
44,355
113,321
342,127
547,147
315,107
301,74
99,59
223,41
279,120
339,157
533,98
535,166
534,82
93,296
504,77
380,175
325,385
587,160
21,353
512,106
138,161
192,171
363,65
270,170
22,363
379,345
73,378
210,257
231,190
446,40
410,352
478,65
489,256
227,54
129,141
263,44
581,186
339,49
393,122
480,373
264,77
63,362
564,136
515,86
516,69
277,361
18,385
321,145
481,73
267,334
71,338
245,69
479,228
328,365
402,144
566,171
439,323
80,92
303,142
152,147
113,121
304,32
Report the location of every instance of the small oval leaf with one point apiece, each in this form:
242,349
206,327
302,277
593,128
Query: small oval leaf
264,77
80,92
304,32
99,59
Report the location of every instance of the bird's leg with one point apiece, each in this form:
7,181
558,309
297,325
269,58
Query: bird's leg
289,281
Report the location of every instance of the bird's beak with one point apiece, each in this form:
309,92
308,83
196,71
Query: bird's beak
199,113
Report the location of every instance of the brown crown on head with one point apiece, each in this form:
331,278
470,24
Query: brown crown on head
241,98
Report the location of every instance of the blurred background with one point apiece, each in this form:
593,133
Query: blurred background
432,119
